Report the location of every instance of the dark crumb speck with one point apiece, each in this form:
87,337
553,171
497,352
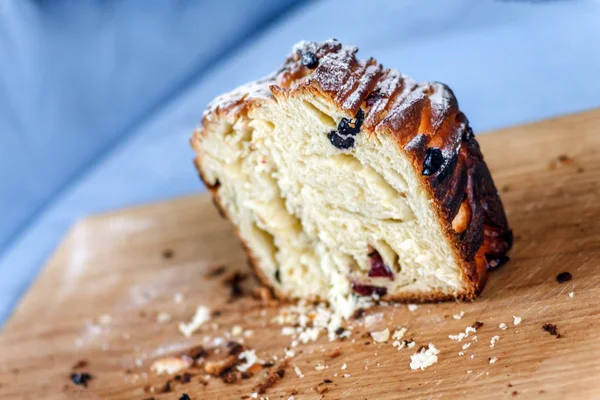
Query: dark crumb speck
167,254
477,325
358,314
81,378
434,160
368,290
235,283
80,364
268,364
309,60
327,381
184,396
216,271
235,348
505,189
551,329
278,275
339,141
216,313
564,277
339,330
514,393
564,159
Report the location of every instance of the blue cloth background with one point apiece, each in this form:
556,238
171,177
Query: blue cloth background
98,98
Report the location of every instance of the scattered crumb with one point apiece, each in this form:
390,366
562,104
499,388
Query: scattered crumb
201,316
564,277
502,326
163,317
333,354
466,346
459,316
412,307
344,366
551,329
461,353
80,364
381,336
469,371
298,372
399,333
167,254
472,356
468,329
516,320
347,375
237,330
571,294
320,367
493,340
425,357
248,333
250,359
81,378
493,360
171,365
178,298
216,271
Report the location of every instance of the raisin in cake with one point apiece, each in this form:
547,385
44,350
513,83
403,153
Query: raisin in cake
346,179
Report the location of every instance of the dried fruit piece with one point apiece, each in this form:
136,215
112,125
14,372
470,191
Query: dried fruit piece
433,161
378,267
339,141
309,60
368,290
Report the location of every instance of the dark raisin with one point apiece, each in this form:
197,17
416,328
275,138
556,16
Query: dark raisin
368,290
184,396
373,97
467,133
339,141
564,277
433,161
477,325
339,330
378,267
309,60
327,381
80,378
351,126
358,314
278,276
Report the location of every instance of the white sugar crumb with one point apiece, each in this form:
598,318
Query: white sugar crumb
347,375
502,326
466,346
381,336
104,319
493,360
289,353
237,330
425,357
288,331
493,340
344,366
461,353
320,367
373,319
463,335
254,395
472,356
571,294
250,359
298,372
163,317
474,338
399,333
469,371
248,333
412,307
178,298
459,316
169,365
201,316
516,320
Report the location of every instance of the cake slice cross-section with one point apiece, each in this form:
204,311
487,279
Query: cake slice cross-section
346,180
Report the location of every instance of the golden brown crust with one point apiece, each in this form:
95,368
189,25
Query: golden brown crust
421,117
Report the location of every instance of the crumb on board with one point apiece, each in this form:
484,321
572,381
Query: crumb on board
298,372
516,320
571,294
564,277
163,317
425,357
178,298
381,336
412,307
459,315
551,329
171,364
201,316
492,360
502,326
494,340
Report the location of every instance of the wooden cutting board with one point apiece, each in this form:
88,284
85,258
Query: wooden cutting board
99,296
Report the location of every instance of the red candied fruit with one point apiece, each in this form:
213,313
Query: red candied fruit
378,267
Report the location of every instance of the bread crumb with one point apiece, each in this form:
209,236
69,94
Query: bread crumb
163,317
412,307
469,371
466,346
425,357
493,360
201,316
459,316
237,330
381,336
399,333
516,320
289,353
472,356
254,395
320,367
250,359
493,340
298,372
347,375
461,353
344,366
170,365
248,333
571,294
502,326
463,335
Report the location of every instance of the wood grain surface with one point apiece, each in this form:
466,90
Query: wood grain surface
128,265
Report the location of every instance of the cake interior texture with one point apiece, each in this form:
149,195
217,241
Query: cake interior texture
328,210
